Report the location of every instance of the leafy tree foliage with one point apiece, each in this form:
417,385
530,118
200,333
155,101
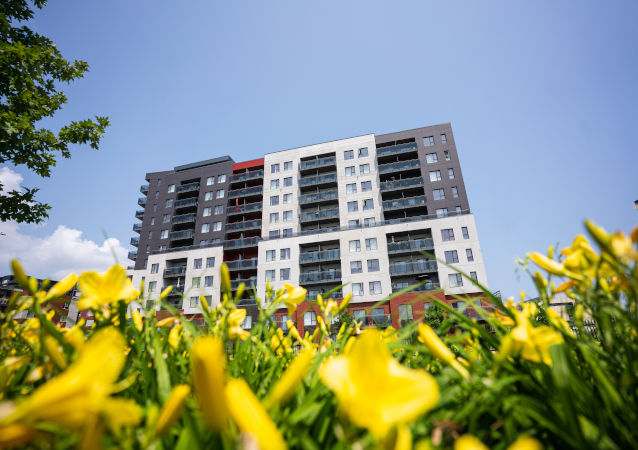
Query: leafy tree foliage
434,316
30,67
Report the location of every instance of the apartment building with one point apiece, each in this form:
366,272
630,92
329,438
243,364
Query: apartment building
357,212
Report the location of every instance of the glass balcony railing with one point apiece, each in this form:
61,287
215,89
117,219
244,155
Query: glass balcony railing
399,166
144,188
407,246
401,184
241,243
413,267
379,320
190,187
321,230
186,234
132,255
255,174
177,289
315,163
246,225
319,215
427,287
137,227
257,190
319,179
326,255
242,264
318,197
175,271
234,284
135,241
243,209
319,277
141,201
139,214
397,149
186,203
337,295
183,218
401,203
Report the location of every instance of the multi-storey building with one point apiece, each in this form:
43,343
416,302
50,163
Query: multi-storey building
371,213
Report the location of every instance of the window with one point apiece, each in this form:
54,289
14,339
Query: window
363,152
148,249
210,262
447,155
207,211
215,241
171,188
450,173
456,280
371,244
287,198
366,186
66,305
284,254
473,276
284,274
270,275
443,139
455,192
162,248
373,265
439,194
441,212
284,320
451,257
427,306
364,168
353,206
157,194
210,181
205,227
351,188
271,255
288,182
287,216
145,263
375,287
194,301
355,246
203,242
62,319
359,314
219,209
219,193
221,179
196,282
287,232
431,158
350,171
427,141
470,256
154,268
273,234
357,289
197,263
435,175
152,220
356,267
274,217
405,312
169,203
352,224
458,210
447,235
368,204
159,181
466,235
309,319
248,322
164,234
274,168
167,218
217,226
370,222
208,281
288,165
274,184
274,200
151,286
348,154
155,207
208,196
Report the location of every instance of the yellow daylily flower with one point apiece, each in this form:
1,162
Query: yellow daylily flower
623,247
137,320
345,302
168,322
75,335
110,287
19,275
569,284
556,320
374,390
331,306
235,319
225,278
292,297
172,409
280,343
54,351
549,265
285,387
529,309
534,342
16,435
439,350
504,319
61,287
121,412
469,442
207,360
174,336
525,443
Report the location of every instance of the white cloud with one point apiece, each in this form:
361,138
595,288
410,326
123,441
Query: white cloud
10,180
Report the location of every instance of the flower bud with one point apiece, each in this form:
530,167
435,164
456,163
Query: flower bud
172,409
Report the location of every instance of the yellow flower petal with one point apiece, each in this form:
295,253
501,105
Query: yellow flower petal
207,359
469,442
285,387
172,409
525,443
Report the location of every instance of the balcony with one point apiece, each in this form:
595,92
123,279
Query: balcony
244,209
242,264
317,163
243,226
410,246
144,189
247,192
397,149
178,235
318,197
249,282
378,320
186,203
315,216
177,289
401,184
190,187
137,227
132,255
338,295
174,271
399,166
329,276
135,241
315,257
241,243
246,176
402,203
409,268
319,180
183,218
139,214
141,201
427,287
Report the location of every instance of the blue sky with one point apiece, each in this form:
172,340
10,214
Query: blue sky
541,96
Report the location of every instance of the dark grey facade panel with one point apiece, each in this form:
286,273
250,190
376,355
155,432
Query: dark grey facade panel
208,162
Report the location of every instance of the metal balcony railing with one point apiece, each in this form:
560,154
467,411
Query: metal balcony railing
141,201
319,215
243,209
234,284
319,179
135,241
407,246
242,264
397,149
401,203
412,267
177,235
144,188
175,271
132,255
137,227
318,197
255,174
338,295
379,320
315,163
319,277
399,166
246,225
257,190
139,214
190,187
401,184
186,203
183,218
241,243
326,255
427,287
177,289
